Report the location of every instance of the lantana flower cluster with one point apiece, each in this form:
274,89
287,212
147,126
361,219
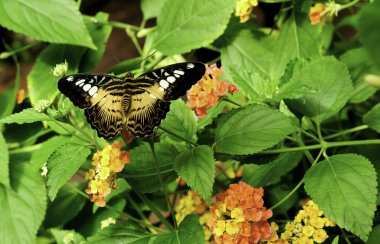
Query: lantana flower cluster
238,215
206,92
307,226
102,176
321,11
244,9
192,203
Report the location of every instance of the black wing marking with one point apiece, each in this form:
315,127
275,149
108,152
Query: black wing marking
172,81
104,99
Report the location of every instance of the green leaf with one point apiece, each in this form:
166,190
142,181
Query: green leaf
248,50
345,187
374,236
189,231
256,87
62,165
22,209
28,115
4,162
264,174
331,83
181,121
141,172
186,25
369,21
42,84
297,39
277,193
56,21
359,64
251,129
372,118
61,236
121,232
194,164
65,206
99,33
150,8
41,156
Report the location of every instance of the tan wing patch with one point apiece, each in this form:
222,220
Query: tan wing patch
146,112
106,115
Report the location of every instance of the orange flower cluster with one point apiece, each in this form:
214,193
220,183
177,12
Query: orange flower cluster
206,93
238,215
244,9
102,176
317,13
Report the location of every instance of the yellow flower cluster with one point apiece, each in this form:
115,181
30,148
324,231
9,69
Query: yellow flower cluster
193,204
102,176
307,226
244,9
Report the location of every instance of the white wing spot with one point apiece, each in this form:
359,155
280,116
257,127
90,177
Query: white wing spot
164,84
150,94
155,75
93,91
180,72
161,89
170,79
166,73
177,75
86,87
70,78
94,95
190,65
101,79
80,82
91,81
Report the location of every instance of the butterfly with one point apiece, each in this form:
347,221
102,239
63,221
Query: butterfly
139,104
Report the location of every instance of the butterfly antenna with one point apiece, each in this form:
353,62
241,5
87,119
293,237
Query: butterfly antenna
150,55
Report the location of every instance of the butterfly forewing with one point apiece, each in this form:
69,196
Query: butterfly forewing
103,97
138,104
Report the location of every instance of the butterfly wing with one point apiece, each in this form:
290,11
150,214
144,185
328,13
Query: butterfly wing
151,94
104,99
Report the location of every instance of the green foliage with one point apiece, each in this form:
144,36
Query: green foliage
344,187
251,129
189,229
183,26
261,175
59,171
304,122
23,207
180,121
62,26
194,164
29,115
372,118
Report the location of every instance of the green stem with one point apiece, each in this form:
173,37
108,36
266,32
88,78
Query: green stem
115,24
155,210
348,131
179,137
7,54
308,134
132,34
319,146
348,5
26,149
125,215
297,186
140,213
163,186
232,102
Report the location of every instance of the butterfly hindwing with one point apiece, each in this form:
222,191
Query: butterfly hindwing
103,98
145,112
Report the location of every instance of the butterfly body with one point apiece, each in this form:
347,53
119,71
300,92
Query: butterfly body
139,104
